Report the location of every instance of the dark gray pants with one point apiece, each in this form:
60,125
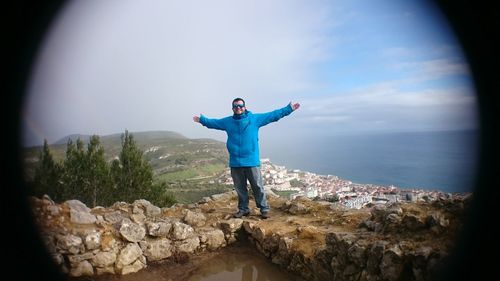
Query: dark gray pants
240,176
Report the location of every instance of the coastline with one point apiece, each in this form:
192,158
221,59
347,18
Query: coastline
296,183
443,160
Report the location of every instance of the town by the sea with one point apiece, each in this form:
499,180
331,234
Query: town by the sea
435,160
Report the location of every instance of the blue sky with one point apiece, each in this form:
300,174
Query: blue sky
355,67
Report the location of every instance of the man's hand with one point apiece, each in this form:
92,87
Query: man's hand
295,106
196,119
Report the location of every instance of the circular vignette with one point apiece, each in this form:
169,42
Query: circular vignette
475,25
26,256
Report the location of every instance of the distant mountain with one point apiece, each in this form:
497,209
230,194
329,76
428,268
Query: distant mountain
73,137
139,136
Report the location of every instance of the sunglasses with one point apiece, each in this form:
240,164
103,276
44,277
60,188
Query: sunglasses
238,106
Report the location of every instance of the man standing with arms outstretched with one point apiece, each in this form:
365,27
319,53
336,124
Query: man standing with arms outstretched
242,130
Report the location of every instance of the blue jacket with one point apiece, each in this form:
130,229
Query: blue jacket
243,134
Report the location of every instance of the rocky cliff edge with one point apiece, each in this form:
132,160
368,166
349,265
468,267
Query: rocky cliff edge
316,240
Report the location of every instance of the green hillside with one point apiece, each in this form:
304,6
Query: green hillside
192,168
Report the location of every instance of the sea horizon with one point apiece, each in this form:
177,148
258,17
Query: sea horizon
430,160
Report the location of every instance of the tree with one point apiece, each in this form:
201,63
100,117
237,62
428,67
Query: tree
159,195
48,173
87,174
74,167
97,174
333,198
296,183
132,175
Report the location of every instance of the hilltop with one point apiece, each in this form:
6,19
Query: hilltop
113,138
167,142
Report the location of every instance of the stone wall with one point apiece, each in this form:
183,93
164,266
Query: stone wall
317,240
125,237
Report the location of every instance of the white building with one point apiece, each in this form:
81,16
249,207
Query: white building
358,202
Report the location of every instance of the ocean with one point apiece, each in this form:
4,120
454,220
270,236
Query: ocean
437,160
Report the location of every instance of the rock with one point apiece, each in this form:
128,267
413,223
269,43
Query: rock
69,243
437,219
103,259
80,217
259,233
412,222
194,218
231,225
297,208
108,242
181,231
158,229
391,265
53,210
84,268
47,200
150,209
128,255
188,245
75,260
157,249
215,239
378,212
138,218
357,254
77,206
136,209
282,256
113,217
104,270
92,241
374,256
132,232
131,268
121,206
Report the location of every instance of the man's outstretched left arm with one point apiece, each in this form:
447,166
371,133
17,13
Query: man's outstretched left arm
273,116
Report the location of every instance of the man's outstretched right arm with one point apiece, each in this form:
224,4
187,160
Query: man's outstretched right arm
217,124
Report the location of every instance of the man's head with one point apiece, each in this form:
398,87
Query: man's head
238,106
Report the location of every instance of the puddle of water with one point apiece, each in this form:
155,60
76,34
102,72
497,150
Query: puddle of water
240,263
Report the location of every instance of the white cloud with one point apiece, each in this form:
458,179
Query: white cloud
434,69
329,118
387,106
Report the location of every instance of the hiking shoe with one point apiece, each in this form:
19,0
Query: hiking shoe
265,215
240,214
